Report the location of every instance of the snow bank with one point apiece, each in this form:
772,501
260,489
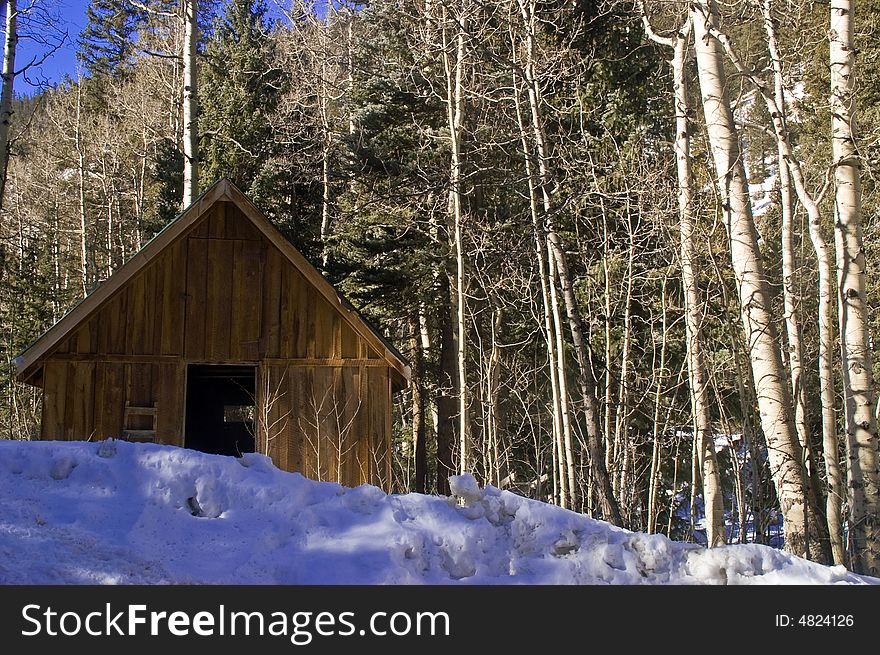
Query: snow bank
116,512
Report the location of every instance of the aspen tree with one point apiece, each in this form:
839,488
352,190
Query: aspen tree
557,408
859,392
454,70
713,499
586,381
789,292
773,393
789,166
775,104
9,47
190,103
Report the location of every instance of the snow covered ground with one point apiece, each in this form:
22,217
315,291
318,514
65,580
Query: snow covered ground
116,512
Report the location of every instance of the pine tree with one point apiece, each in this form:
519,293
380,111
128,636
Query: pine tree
240,88
107,45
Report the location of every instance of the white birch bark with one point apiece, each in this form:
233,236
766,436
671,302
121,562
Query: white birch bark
834,475
855,349
621,438
190,103
657,433
789,270
455,114
9,47
713,498
772,392
610,463
789,165
541,253
566,452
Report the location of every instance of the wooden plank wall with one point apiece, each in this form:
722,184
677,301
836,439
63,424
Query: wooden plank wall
221,294
85,400
224,294
328,422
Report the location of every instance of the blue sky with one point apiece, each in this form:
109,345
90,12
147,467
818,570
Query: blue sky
71,15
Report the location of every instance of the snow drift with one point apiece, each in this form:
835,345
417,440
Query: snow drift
117,512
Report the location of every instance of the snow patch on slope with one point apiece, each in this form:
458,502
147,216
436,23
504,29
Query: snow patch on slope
117,512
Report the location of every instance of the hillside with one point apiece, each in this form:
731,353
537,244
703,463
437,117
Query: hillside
122,513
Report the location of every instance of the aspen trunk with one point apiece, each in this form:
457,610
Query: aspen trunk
6,97
789,164
775,107
543,274
445,392
566,451
773,394
792,320
326,145
586,382
420,477
704,442
621,438
789,271
610,464
190,100
455,114
713,499
493,397
657,433
855,350
81,172
565,448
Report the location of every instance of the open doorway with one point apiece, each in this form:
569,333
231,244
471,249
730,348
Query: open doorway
220,411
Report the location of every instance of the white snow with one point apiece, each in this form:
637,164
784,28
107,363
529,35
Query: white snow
117,512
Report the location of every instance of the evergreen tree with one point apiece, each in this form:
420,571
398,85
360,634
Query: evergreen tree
240,87
107,43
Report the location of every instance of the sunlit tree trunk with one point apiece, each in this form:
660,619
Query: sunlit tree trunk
855,350
772,391
9,47
788,165
713,499
545,276
190,103
586,382
774,101
454,70
81,188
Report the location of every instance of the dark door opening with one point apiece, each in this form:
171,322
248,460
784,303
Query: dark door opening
220,408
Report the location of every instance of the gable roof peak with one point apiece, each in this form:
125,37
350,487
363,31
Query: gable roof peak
223,190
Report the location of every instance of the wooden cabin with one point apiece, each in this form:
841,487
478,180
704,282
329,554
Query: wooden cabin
218,335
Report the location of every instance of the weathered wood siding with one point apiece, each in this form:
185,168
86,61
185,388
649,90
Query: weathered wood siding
222,293
329,422
85,399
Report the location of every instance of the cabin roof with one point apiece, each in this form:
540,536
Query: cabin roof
29,361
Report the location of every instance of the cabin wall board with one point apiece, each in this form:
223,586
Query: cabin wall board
223,293
326,421
220,294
